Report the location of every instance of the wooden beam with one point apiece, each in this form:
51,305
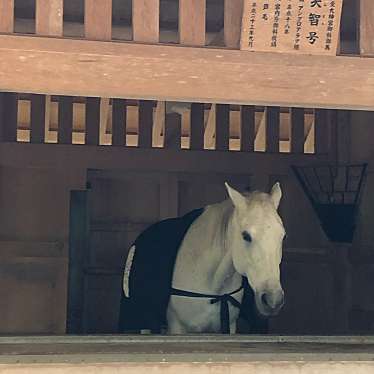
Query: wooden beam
129,70
233,11
98,19
49,17
197,126
272,129
7,16
145,20
37,123
119,111
366,27
222,127
92,120
192,15
145,124
247,128
297,130
65,120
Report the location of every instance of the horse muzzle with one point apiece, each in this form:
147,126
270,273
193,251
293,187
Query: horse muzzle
271,302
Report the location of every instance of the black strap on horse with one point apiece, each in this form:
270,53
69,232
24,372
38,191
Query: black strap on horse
224,299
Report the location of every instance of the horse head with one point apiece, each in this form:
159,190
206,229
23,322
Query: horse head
256,238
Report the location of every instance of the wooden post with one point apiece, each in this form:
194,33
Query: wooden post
37,122
7,16
92,120
247,128
65,120
98,19
119,111
145,124
222,127
192,19
297,130
272,123
197,126
233,11
321,131
366,27
78,255
49,17
173,122
145,20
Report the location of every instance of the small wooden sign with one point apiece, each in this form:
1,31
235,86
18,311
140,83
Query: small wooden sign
291,26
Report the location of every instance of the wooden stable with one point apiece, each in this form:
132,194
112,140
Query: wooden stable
98,139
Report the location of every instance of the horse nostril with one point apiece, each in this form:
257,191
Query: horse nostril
264,300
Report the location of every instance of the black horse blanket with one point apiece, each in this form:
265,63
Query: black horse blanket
150,278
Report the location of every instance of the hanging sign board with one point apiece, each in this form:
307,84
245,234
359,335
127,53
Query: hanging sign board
291,26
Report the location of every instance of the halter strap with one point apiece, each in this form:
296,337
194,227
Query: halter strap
224,299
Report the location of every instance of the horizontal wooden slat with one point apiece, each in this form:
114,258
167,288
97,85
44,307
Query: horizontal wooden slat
125,70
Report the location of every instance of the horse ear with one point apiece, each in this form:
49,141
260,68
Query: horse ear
236,197
276,194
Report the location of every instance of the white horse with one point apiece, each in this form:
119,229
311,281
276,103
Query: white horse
241,236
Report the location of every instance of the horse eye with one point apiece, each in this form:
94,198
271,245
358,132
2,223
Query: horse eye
246,236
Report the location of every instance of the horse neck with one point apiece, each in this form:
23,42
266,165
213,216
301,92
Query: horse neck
223,276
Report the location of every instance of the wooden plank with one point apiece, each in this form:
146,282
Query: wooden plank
65,120
222,127
145,20
92,120
197,126
366,27
98,19
175,74
37,123
233,11
7,16
297,130
272,129
173,131
119,111
9,115
247,128
192,15
49,17
78,254
321,131
145,124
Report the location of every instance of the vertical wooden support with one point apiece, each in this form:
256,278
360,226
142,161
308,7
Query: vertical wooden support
145,124
366,27
247,128
297,130
146,20
272,129
197,126
173,131
98,19
9,115
222,127
78,254
119,111
92,120
233,11
37,123
321,131
192,19
7,16
49,17
65,120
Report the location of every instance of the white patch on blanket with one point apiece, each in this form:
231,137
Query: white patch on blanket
126,273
